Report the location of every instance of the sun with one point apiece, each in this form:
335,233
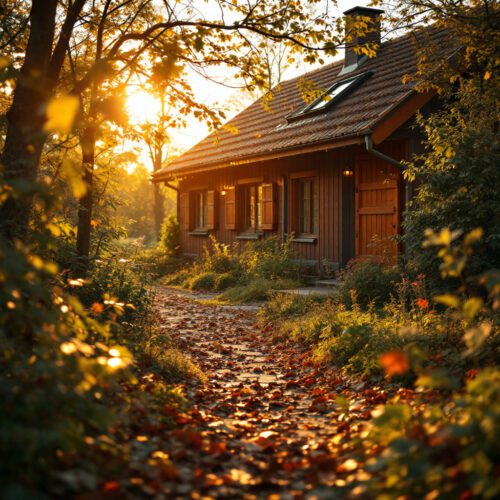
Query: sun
142,107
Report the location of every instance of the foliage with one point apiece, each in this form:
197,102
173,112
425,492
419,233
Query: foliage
354,339
243,273
67,381
450,450
446,450
54,376
160,354
203,281
458,171
170,234
370,282
255,289
134,205
456,176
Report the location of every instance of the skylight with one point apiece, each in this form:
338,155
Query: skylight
333,94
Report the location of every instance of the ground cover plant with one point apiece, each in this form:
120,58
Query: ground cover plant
241,273
78,355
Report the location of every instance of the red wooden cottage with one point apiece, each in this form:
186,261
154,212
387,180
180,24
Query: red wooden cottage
327,172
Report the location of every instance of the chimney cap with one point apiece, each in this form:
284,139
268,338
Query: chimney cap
359,10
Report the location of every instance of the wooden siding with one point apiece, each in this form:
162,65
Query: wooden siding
335,201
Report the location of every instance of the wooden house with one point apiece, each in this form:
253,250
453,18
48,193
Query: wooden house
326,172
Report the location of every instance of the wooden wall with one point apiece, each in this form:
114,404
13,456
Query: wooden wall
336,204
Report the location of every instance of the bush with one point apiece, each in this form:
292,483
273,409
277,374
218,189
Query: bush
204,281
255,290
170,236
450,449
369,281
243,274
459,170
224,281
288,306
159,353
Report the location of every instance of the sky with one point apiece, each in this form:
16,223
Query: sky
213,94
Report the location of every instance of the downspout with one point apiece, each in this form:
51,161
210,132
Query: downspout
370,149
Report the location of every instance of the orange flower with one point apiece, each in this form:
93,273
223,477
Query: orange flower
96,308
394,363
423,303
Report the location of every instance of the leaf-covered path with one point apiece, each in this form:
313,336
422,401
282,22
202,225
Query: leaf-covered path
267,422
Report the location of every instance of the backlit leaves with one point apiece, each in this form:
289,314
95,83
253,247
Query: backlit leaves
71,171
61,114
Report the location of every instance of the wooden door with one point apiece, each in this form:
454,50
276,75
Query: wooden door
377,185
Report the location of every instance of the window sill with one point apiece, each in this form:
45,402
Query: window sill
305,239
248,236
198,232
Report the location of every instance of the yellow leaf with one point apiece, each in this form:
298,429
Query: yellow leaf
72,174
448,300
472,307
473,236
487,75
4,62
61,113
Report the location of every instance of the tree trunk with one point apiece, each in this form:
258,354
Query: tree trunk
159,211
25,135
87,142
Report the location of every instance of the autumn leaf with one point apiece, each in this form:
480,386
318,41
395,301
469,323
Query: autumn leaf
61,113
394,363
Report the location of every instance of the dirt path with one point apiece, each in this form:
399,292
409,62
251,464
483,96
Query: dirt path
267,423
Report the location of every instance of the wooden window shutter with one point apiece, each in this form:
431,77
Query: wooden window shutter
211,210
184,211
230,208
268,206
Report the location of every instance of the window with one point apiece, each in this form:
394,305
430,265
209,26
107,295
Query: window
200,210
308,205
252,196
333,94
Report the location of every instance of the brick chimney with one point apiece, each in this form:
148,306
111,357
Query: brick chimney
353,60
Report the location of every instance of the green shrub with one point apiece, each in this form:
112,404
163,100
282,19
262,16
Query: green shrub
255,290
224,281
368,281
118,279
283,306
204,281
459,170
244,273
170,236
159,353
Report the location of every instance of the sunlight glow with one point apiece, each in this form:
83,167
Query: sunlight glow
142,107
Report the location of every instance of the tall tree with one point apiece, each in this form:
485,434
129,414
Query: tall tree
180,30
37,81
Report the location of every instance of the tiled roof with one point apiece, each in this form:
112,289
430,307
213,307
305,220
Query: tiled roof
262,132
